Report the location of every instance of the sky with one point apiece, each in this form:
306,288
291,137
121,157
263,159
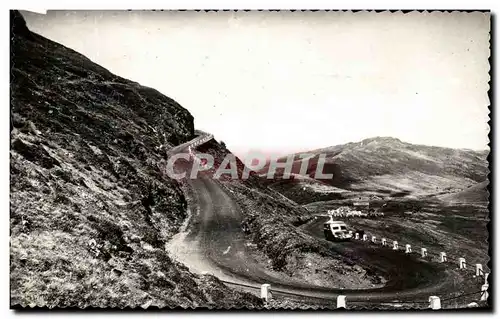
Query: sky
284,82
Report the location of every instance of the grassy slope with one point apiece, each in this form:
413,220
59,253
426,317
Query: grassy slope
473,194
90,210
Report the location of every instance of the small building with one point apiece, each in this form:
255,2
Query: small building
361,202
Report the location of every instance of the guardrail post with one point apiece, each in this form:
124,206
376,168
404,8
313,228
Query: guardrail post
479,269
384,241
265,291
434,302
484,292
424,252
442,257
408,249
356,235
373,239
365,237
341,301
395,245
461,263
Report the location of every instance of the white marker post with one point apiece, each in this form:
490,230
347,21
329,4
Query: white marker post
373,239
479,270
484,292
486,278
442,257
424,252
384,241
394,245
408,249
365,237
434,302
265,292
356,236
341,301
461,263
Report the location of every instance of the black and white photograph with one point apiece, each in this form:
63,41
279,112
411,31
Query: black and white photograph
250,160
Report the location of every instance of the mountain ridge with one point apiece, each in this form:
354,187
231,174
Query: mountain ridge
385,165
391,139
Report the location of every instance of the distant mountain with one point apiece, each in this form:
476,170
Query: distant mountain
386,166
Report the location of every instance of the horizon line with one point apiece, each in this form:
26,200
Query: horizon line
270,154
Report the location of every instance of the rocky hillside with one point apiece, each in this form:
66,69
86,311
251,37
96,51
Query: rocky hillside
90,210
386,166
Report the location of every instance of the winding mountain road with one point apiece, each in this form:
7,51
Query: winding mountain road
212,241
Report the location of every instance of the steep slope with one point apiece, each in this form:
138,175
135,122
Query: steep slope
386,166
90,209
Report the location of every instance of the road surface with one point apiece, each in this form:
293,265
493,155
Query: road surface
212,241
